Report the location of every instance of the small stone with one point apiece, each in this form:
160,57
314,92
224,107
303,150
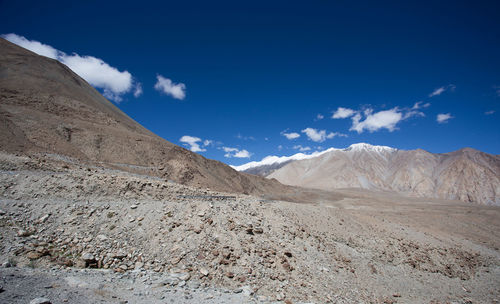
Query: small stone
185,276
182,283
133,207
139,265
88,257
204,271
23,233
120,254
33,255
201,213
102,237
2,212
124,267
258,230
44,218
40,301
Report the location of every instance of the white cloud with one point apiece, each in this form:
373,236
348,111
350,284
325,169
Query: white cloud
319,117
443,118
242,154
235,152
165,85
302,149
441,90
32,45
343,113
192,142
291,135
94,70
99,74
138,90
489,112
420,105
320,135
280,147
207,142
384,119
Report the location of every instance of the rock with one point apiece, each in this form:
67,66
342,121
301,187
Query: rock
258,230
138,265
120,254
204,271
182,283
185,276
33,255
247,290
133,207
23,233
2,212
88,257
102,237
44,218
40,301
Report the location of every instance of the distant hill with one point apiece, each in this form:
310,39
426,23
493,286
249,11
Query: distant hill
467,174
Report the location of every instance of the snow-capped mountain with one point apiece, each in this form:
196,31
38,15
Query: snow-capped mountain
467,174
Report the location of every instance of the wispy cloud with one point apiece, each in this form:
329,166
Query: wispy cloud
138,90
320,135
497,89
441,90
235,152
291,135
489,112
319,117
192,142
343,113
301,148
420,105
95,71
239,136
443,118
168,87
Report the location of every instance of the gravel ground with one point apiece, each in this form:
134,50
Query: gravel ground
141,238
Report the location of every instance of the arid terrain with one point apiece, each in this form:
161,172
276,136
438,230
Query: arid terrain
152,240
96,209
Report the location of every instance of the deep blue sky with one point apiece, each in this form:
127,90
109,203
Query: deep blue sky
257,68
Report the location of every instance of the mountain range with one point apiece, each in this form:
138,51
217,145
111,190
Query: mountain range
467,174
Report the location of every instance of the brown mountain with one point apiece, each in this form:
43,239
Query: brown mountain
467,174
47,108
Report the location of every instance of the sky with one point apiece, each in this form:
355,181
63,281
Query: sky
237,81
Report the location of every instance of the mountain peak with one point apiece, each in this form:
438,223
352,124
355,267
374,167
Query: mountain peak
369,147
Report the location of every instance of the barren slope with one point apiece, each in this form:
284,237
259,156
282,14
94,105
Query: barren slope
467,174
45,107
148,236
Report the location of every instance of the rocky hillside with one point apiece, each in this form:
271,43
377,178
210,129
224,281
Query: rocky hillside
157,241
467,174
46,108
